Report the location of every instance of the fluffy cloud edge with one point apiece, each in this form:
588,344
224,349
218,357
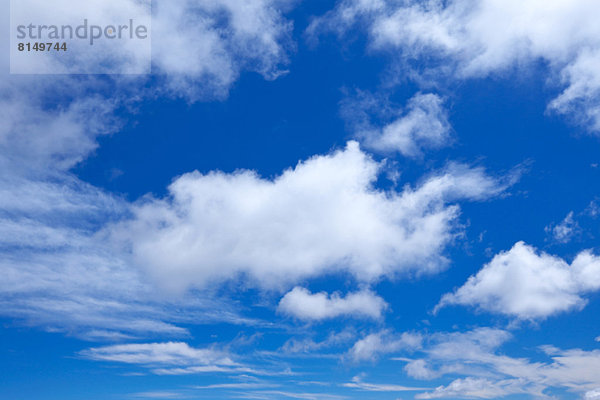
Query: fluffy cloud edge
526,284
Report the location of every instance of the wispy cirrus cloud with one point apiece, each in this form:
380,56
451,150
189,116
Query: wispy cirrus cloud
357,383
374,345
564,231
167,353
309,346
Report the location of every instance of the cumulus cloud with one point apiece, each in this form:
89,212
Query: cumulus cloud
525,284
302,304
375,345
423,124
323,216
468,38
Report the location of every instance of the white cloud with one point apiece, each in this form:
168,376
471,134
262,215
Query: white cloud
592,395
159,395
323,216
468,38
528,285
565,230
446,351
425,125
308,345
422,125
173,358
59,273
241,385
201,46
374,345
50,140
485,372
302,304
280,394
477,388
168,353
357,383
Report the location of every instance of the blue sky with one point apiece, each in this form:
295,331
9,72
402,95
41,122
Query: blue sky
308,200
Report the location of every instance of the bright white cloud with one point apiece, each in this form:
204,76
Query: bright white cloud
323,216
375,345
422,125
528,285
469,38
302,304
